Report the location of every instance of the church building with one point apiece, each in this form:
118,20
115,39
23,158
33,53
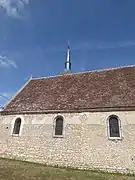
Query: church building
81,120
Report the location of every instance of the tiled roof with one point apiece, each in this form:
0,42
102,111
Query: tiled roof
112,88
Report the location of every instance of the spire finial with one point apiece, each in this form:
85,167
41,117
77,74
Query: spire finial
31,76
68,62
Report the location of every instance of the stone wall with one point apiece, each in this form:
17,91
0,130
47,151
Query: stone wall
85,143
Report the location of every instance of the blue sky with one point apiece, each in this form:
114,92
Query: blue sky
34,36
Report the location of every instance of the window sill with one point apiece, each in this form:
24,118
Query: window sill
58,136
15,135
115,138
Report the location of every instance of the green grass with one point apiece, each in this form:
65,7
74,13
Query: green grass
18,170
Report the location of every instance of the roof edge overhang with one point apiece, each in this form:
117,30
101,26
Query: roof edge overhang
101,109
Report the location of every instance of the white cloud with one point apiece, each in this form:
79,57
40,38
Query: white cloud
7,63
88,46
102,45
13,7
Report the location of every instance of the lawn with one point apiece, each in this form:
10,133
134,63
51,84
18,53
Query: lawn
17,170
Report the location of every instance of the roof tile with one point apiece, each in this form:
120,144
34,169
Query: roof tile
106,88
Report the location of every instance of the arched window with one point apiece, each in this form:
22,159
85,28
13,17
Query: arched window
58,126
17,126
114,127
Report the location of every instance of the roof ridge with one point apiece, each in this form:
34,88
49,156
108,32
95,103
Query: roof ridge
97,70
